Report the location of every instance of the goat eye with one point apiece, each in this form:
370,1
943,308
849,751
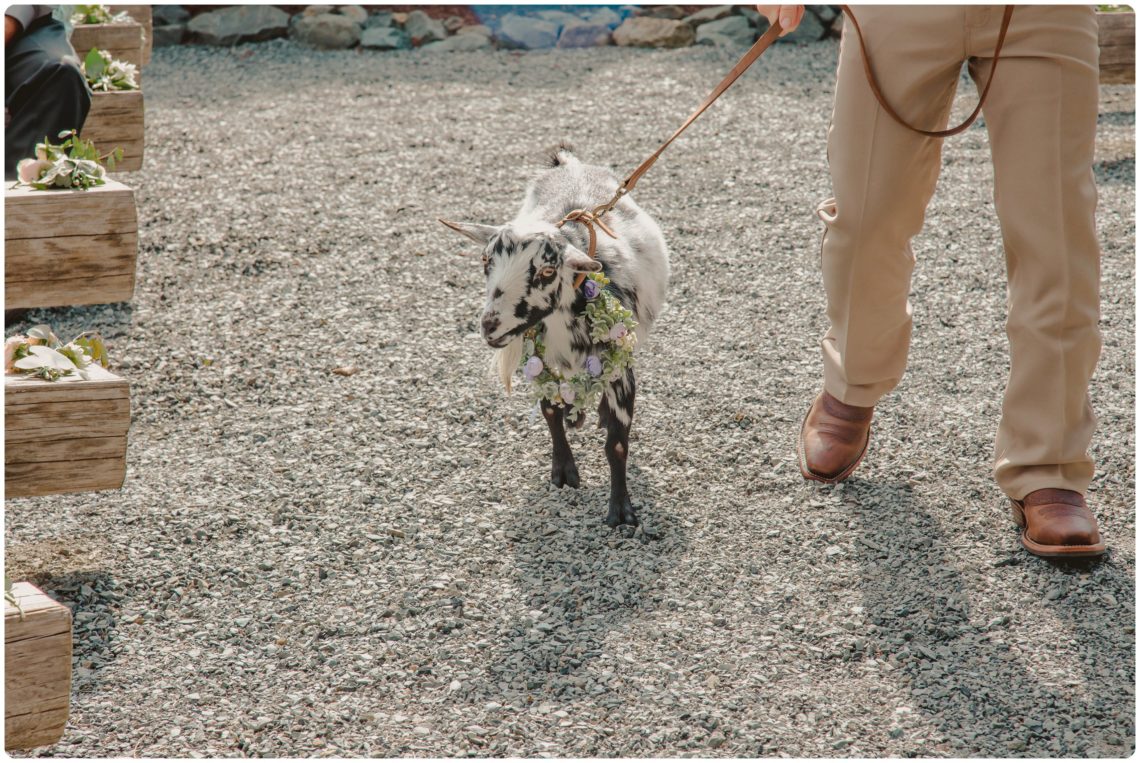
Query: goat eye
486,260
547,272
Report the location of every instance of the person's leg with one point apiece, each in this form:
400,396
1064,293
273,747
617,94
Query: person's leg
883,176
1042,116
46,92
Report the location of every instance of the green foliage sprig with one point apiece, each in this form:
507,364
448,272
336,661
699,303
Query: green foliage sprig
75,163
106,74
41,354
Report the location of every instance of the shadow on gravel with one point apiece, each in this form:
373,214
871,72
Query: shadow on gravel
984,697
1117,171
72,571
579,581
92,603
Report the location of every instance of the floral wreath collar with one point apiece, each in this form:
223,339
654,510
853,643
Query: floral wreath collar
611,326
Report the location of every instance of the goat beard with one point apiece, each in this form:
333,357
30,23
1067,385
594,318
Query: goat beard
506,360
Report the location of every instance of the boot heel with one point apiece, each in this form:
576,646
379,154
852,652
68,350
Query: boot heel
1018,513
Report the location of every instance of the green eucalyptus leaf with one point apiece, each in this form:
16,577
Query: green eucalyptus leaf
94,64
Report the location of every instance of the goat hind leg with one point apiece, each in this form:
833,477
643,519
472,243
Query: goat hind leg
616,415
563,470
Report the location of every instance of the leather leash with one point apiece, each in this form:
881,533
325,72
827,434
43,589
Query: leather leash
894,114
593,217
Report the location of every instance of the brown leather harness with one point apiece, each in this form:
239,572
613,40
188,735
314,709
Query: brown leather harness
592,218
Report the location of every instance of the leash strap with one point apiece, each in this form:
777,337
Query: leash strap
590,218
894,114
746,61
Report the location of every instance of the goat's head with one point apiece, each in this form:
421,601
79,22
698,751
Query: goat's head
530,272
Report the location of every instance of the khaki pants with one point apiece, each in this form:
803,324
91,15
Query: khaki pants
1041,116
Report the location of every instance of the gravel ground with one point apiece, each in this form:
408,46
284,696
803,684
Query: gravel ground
302,563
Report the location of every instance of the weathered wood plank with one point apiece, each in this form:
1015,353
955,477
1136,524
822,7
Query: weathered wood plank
1117,37
101,384
37,669
143,15
117,120
43,259
40,450
67,415
65,436
122,41
69,292
47,265
71,476
104,209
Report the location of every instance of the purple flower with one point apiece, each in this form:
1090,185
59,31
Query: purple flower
533,367
594,365
590,288
567,393
618,331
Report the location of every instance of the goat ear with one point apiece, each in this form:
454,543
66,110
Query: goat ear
579,261
477,232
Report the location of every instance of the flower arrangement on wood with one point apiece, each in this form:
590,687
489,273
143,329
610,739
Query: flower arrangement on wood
98,14
612,332
106,74
41,354
73,164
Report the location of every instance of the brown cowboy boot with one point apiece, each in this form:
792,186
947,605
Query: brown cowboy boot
1057,523
833,439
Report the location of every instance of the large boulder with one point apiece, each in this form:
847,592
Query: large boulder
673,12
561,18
585,34
385,38
479,29
354,12
648,32
735,31
603,15
809,30
168,34
423,29
826,13
239,23
753,16
517,31
164,15
712,13
326,31
460,42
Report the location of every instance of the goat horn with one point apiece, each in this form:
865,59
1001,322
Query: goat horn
451,225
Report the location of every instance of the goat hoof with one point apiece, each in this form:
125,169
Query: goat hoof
621,513
565,474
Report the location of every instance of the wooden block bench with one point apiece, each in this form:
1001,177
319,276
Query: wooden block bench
122,41
143,15
65,436
1117,34
69,247
116,120
37,669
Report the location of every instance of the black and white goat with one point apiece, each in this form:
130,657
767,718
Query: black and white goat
531,265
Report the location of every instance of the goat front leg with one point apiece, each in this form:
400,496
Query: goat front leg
563,470
615,414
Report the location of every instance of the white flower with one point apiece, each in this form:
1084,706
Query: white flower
10,346
29,170
45,357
